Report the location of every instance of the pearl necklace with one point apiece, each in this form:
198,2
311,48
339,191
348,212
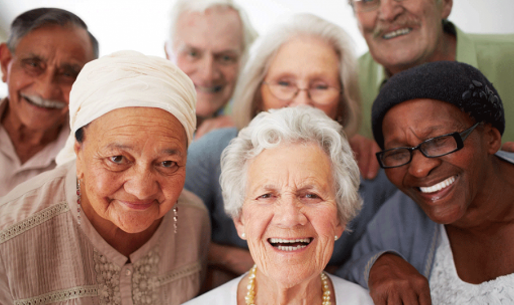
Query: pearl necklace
250,295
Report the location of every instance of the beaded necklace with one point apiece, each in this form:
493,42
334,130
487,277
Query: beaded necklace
250,295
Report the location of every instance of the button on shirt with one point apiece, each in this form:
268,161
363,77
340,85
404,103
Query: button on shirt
12,172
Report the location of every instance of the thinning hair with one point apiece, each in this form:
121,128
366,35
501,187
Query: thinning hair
41,17
247,99
291,125
185,6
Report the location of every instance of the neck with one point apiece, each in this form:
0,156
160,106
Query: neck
121,241
446,49
26,141
268,291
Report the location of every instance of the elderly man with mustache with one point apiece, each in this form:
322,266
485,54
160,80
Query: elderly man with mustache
46,49
402,34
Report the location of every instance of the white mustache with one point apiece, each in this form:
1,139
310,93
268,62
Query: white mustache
41,102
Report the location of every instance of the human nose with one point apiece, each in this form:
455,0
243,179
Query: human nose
389,10
47,86
289,214
421,166
302,97
208,70
141,183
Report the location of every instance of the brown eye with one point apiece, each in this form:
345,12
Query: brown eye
116,159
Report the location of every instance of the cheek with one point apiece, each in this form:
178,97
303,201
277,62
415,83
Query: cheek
230,74
395,175
185,65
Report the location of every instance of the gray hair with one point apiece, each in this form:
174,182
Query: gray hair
41,17
247,93
183,6
302,124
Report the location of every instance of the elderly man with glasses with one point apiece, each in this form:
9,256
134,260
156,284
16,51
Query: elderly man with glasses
402,34
446,238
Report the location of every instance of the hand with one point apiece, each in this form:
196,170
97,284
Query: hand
214,123
364,150
393,281
508,146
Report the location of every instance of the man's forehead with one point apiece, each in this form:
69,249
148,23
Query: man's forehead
216,29
70,44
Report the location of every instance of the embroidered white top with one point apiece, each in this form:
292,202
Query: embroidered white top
447,288
46,257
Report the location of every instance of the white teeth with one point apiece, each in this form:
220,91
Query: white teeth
290,248
397,33
41,102
290,241
437,187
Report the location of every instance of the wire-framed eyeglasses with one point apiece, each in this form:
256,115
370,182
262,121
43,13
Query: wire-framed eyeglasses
319,93
367,5
431,148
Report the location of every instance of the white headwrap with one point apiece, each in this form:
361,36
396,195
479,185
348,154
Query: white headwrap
129,79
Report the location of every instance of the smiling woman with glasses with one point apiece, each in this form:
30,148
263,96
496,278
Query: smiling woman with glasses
451,241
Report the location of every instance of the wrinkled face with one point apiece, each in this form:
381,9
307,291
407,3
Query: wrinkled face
208,48
443,187
289,214
307,62
404,34
132,166
40,73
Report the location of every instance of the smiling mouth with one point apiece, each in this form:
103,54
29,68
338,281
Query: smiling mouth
399,32
213,89
290,244
439,186
43,103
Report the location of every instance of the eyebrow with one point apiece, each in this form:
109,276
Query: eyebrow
168,151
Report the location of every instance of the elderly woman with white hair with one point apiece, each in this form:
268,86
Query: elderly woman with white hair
304,61
111,224
290,183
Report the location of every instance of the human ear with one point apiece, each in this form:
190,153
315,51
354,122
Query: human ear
77,147
493,138
446,8
240,227
5,59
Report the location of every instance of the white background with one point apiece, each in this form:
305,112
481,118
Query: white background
143,25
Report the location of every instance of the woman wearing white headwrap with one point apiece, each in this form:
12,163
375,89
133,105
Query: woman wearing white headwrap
111,224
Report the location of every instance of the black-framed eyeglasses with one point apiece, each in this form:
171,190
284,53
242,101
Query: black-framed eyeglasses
431,148
319,93
367,5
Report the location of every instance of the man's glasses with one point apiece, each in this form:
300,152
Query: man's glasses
431,148
367,5
319,94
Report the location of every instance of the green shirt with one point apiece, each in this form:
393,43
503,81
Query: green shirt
493,55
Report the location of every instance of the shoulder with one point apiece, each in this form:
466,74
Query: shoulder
40,198
226,294
349,293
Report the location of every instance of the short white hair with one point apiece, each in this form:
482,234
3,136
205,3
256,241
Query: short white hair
186,6
302,124
247,92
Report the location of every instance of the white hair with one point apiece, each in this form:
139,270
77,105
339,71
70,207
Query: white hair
185,6
247,93
302,124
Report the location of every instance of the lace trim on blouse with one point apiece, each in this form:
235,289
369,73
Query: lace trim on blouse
60,296
447,288
33,221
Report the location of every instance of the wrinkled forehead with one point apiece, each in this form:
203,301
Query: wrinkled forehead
218,28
